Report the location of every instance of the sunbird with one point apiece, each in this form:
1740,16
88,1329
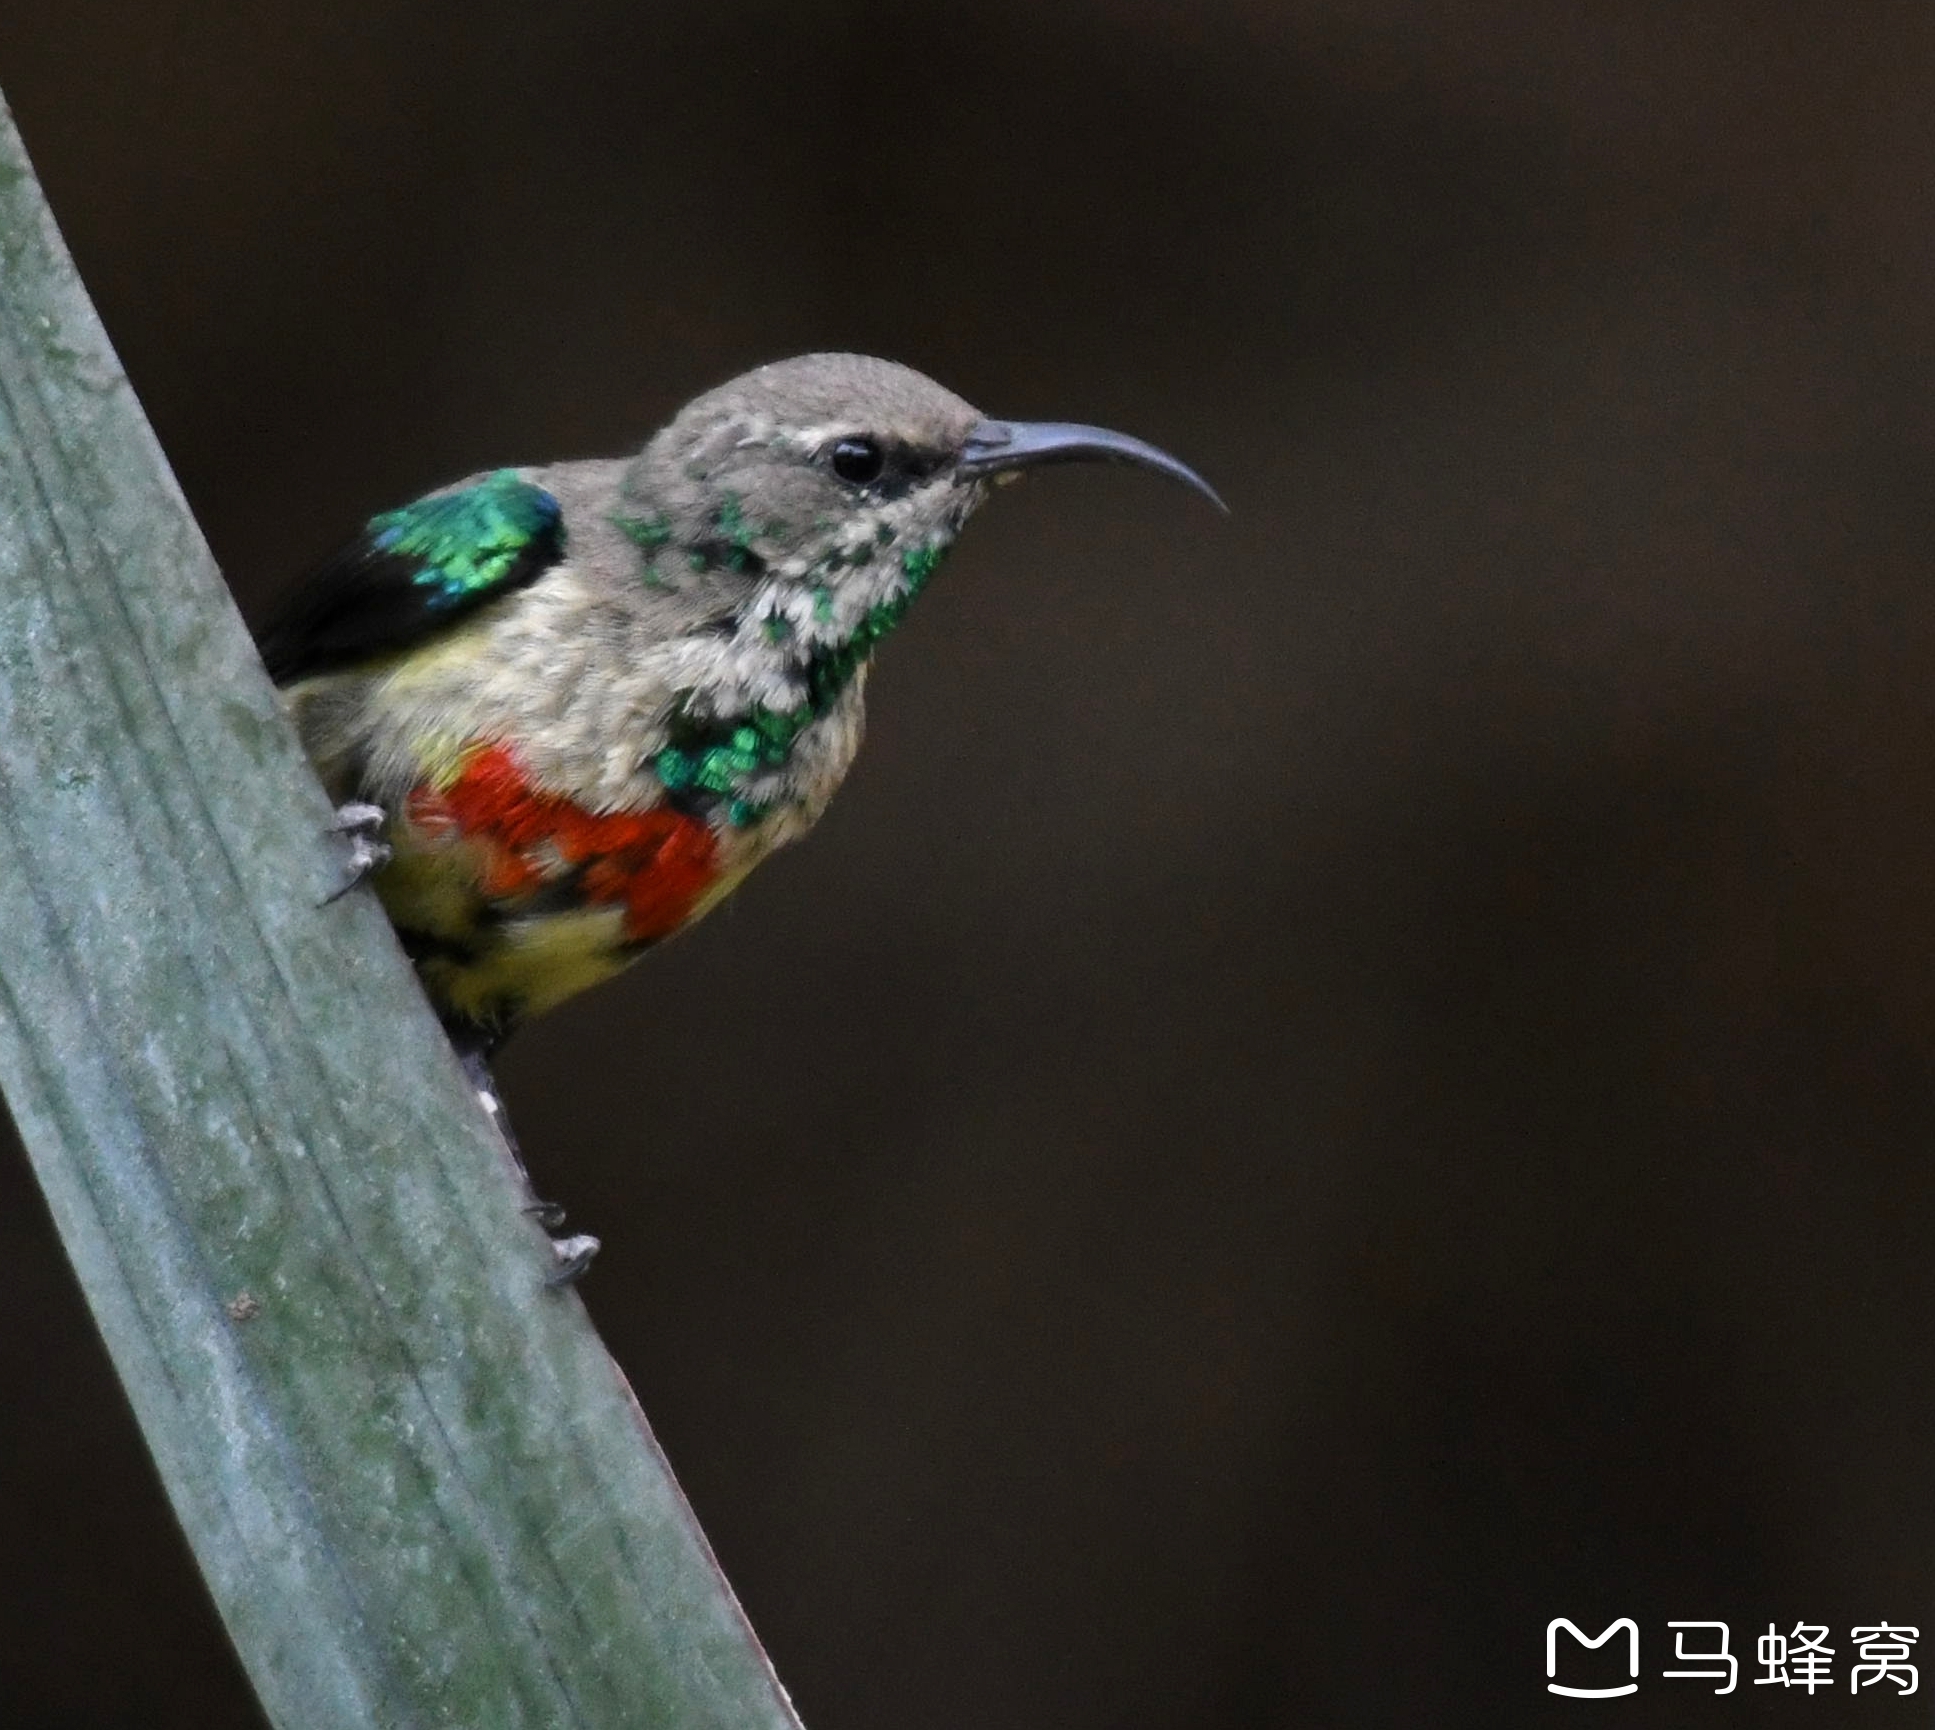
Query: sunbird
566,708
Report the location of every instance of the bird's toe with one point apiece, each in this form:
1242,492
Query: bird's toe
361,823
574,1256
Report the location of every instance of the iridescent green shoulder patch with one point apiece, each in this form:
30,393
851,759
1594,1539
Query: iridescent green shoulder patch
469,541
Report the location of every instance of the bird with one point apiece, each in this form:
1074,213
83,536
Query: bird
564,709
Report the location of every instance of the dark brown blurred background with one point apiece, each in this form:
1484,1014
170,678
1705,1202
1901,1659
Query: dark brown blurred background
1337,1085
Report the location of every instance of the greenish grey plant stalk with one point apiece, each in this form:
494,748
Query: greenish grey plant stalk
420,1491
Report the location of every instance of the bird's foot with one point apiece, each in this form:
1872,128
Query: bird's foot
549,1214
362,823
574,1256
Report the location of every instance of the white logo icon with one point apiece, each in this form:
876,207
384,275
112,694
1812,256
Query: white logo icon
1632,1655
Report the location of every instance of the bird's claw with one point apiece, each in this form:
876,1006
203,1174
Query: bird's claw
574,1256
362,823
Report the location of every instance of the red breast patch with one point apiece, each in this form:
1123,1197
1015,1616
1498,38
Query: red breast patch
655,863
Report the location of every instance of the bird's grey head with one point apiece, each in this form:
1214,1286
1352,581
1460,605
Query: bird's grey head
841,473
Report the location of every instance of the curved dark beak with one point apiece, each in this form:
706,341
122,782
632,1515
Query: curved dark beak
994,445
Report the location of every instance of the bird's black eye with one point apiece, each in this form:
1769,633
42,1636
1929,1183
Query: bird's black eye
858,461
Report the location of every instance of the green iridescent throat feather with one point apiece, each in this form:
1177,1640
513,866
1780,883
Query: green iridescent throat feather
712,755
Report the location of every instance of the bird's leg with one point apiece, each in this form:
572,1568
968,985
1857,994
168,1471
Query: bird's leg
574,1253
362,823
476,1062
